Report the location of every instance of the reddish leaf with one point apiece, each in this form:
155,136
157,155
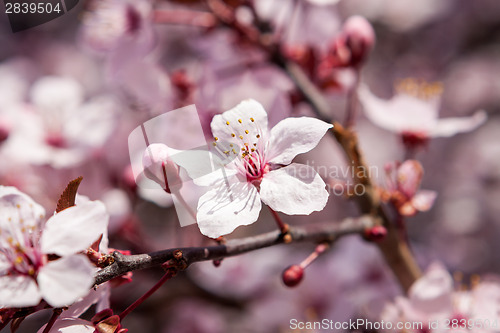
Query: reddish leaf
67,198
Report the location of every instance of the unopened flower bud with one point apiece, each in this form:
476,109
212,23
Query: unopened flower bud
293,275
359,37
376,233
159,166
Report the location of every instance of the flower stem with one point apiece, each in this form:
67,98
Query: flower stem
281,225
352,100
320,248
167,276
55,314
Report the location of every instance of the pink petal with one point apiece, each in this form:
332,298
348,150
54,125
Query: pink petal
65,280
245,111
293,136
18,291
424,200
451,126
409,175
74,229
223,209
295,189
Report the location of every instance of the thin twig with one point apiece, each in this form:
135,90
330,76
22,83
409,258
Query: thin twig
313,233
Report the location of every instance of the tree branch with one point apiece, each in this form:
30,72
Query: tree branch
316,233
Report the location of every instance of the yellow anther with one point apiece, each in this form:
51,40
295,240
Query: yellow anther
419,88
234,151
246,131
227,122
216,138
253,149
31,271
239,120
241,137
18,260
214,144
233,135
18,206
230,145
252,120
258,136
226,152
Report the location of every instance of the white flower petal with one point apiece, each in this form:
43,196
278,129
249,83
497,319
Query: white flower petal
202,166
424,200
294,189
401,113
432,293
74,229
57,94
5,264
249,116
30,211
18,291
64,281
223,209
70,326
93,297
293,136
451,126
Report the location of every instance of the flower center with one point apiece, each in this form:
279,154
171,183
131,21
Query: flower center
247,145
18,245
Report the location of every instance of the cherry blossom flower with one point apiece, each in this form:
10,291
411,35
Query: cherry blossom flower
109,23
403,185
432,298
258,166
61,129
413,113
40,259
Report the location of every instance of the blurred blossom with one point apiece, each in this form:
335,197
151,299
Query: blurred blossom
27,273
59,128
403,188
400,15
434,298
109,23
413,113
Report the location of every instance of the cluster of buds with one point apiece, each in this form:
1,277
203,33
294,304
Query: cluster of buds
352,46
403,188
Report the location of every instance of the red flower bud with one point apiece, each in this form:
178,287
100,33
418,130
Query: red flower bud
293,275
376,233
359,38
